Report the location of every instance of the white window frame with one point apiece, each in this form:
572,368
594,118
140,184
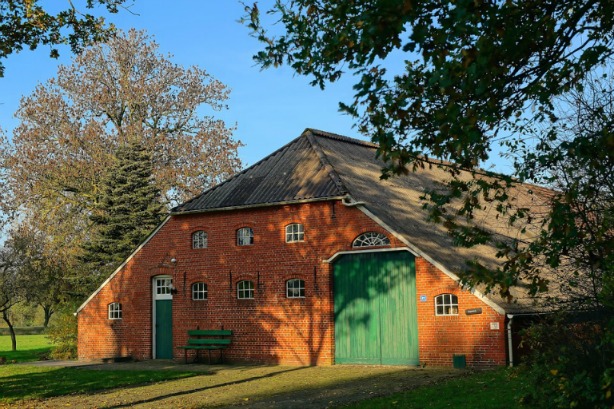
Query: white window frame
371,239
446,304
200,239
295,232
245,236
163,288
115,311
200,291
245,290
295,286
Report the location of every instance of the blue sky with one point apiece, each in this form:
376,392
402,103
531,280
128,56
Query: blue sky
269,108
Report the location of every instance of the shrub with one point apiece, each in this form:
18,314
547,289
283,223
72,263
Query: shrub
571,364
63,334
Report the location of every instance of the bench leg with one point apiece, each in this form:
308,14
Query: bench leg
185,355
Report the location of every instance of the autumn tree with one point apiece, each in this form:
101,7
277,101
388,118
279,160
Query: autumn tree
30,24
127,210
72,125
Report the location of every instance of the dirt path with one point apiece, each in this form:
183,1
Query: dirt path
256,387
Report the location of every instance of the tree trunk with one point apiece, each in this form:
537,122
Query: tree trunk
48,313
6,319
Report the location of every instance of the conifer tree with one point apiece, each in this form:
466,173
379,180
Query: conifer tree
127,210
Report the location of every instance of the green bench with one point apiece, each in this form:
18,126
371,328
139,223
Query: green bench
207,339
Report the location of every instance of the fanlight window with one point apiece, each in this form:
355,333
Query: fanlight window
199,240
371,239
446,304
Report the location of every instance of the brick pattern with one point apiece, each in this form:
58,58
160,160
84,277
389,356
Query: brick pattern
271,328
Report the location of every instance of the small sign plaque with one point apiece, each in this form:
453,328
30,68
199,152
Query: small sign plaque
494,325
473,311
423,298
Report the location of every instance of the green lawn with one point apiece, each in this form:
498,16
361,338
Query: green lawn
29,348
499,389
18,382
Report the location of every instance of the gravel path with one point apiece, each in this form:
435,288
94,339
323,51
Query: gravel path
253,387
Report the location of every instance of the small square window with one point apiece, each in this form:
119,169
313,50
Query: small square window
446,304
245,236
115,311
295,232
199,291
245,290
199,240
295,288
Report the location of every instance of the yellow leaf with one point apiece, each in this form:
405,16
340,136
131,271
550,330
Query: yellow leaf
554,372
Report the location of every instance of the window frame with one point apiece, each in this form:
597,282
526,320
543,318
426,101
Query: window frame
447,303
295,233
245,233
114,311
245,293
201,242
300,288
204,291
370,239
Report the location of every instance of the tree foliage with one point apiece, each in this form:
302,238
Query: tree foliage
127,210
27,23
475,74
72,126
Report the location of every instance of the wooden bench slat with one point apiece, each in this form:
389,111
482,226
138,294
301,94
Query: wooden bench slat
209,332
208,341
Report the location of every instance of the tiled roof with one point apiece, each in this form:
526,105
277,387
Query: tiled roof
322,166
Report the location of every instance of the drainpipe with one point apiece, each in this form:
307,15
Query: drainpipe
510,347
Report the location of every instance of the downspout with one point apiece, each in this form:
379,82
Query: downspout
510,347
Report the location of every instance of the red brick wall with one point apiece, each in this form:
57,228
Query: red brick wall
270,328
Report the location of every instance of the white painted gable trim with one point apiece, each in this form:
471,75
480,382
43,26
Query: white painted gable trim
425,256
123,264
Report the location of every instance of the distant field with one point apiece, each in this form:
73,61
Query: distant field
29,348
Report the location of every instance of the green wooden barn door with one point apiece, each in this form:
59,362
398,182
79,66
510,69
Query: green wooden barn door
375,309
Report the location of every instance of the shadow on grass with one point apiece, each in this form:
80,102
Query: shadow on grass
19,382
204,388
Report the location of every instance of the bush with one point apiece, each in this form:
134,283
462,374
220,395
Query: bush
571,364
63,334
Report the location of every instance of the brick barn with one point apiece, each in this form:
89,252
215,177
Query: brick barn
310,259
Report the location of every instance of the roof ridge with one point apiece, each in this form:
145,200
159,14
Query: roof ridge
339,137
330,170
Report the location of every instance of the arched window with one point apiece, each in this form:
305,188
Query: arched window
371,239
446,304
199,239
245,290
199,291
245,236
295,232
115,311
295,288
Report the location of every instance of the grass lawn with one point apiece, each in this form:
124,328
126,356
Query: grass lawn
19,382
29,348
499,389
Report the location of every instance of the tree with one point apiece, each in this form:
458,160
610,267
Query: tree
477,74
129,208
11,291
71,127
27,23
